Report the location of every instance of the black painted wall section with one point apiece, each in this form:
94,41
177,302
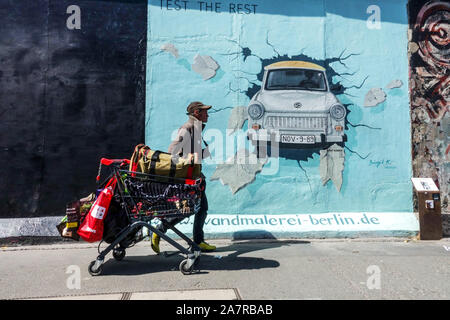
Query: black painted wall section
67,98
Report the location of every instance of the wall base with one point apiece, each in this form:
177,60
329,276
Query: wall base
321,225
265,226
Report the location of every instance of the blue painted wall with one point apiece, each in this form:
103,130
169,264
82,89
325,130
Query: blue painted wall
377,170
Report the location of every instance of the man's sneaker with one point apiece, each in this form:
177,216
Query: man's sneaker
206,247
155,242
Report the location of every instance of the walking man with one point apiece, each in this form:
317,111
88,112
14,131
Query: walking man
188,143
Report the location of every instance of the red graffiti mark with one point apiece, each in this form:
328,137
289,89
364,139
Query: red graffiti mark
440,92
432,86
433,26
447,150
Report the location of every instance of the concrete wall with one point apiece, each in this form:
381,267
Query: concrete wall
75,89
429,84
368,57
72,77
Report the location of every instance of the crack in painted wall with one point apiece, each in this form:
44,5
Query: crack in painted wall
374,97
205,66
239,171
332,165
237,119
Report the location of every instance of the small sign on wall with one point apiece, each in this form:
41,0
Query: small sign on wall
424,184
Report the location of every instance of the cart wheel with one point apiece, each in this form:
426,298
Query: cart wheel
184,269
119,254
93,272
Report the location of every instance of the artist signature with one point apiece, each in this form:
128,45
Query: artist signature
385,163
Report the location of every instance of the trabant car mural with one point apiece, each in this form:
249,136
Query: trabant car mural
296,108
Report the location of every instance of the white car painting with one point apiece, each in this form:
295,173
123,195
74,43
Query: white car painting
296,108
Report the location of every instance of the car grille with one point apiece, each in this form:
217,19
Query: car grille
303,123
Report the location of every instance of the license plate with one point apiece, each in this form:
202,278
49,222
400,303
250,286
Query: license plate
286,138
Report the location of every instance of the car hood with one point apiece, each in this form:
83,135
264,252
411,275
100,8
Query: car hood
284,100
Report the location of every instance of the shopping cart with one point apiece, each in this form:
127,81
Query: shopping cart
141,199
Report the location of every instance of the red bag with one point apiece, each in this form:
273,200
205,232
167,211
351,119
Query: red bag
91,229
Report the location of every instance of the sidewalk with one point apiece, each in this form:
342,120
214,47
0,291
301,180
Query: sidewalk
250,269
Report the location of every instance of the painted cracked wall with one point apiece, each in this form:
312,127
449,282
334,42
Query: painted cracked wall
429,83
216,53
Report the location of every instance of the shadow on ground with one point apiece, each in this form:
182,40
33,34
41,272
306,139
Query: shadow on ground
228,258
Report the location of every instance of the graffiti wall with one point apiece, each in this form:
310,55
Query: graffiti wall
72,77
429,50
310,103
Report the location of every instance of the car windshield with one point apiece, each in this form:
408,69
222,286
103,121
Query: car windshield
296,79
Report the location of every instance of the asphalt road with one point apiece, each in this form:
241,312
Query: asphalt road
251,269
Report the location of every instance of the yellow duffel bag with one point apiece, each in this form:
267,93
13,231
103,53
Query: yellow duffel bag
160,163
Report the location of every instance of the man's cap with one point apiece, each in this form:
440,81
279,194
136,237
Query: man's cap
196,105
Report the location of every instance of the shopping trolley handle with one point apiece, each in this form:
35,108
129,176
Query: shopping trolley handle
193,182
108,162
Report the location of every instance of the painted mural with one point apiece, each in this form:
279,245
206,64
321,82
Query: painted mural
310,102
430,92
310,112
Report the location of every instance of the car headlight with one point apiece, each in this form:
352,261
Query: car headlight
255,111
338,112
